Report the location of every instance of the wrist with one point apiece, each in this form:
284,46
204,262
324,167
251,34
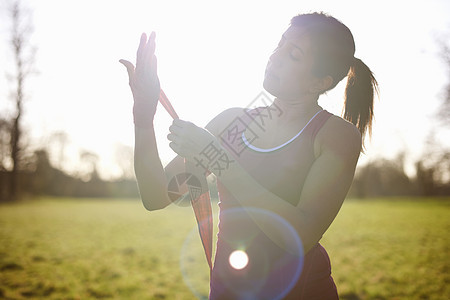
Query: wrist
143,114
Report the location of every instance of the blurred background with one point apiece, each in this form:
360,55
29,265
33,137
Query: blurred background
66,125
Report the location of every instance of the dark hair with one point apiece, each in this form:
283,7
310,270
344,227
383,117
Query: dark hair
334,48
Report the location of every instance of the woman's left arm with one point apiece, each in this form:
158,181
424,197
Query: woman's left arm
337,148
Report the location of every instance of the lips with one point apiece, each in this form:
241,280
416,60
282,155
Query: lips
270,74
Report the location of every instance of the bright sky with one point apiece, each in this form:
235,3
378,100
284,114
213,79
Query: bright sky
212,56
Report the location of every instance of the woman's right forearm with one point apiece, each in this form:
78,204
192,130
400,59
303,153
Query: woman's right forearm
149,171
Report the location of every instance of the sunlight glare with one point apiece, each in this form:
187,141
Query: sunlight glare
238,259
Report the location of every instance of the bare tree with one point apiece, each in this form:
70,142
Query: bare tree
23,56
4,158
444,109
4,144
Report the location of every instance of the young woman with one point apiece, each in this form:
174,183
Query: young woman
291,160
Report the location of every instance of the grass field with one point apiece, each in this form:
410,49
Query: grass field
114,249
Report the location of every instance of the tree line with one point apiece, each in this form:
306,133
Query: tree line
379,178
383,177
38,177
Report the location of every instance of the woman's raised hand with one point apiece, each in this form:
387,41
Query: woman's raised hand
144,81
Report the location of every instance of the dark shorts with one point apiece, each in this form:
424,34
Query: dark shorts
315,282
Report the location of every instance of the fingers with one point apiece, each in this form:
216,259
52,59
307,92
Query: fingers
173,138
151,44
130,68
180,150
180,127
180,123
127,64
149,54
176,130
142,44
176,148
145,57
186,139
143,77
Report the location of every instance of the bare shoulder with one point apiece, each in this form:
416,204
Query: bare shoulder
222,120
339,137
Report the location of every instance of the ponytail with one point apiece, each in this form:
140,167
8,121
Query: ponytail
359,93
334,49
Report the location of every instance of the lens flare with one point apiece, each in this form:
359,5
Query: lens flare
238,259
248,262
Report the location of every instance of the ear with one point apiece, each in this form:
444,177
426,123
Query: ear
321,84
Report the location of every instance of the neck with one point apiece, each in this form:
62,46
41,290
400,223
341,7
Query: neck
296,111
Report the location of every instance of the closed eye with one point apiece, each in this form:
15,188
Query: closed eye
295,54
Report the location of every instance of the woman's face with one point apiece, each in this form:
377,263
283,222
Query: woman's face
288,72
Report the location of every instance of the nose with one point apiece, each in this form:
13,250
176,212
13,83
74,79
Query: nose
274,58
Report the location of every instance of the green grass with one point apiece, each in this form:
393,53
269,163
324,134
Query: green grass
391,249
114,249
